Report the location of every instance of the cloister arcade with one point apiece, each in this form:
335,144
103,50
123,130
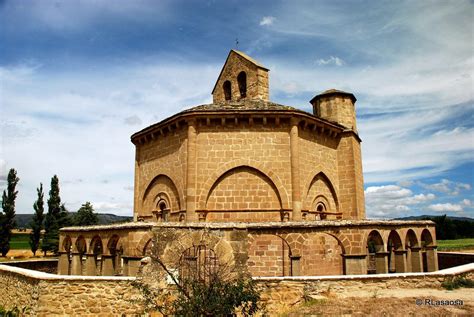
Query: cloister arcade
288,249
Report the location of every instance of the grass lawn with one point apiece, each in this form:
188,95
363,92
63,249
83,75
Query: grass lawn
459,244
20,241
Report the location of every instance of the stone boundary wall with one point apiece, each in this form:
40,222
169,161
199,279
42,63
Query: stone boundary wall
43,265
47,294
452,259
282,293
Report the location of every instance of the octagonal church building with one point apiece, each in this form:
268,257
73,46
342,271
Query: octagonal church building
268,188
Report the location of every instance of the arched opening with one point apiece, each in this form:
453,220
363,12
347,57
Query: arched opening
67,249
428,250
163,210
376,259
227,90
116,254
412,247
198,263
396,255
321,211
242,81
97,252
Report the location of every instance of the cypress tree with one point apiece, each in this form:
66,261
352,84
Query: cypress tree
7,217
56,218
37,223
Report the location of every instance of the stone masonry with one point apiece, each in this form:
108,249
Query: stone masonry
279,191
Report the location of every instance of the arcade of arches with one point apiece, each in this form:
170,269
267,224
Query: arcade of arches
285,249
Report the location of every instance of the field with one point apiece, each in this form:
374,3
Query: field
20,241
455,245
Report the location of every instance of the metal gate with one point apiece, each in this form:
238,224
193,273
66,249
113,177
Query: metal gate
198,263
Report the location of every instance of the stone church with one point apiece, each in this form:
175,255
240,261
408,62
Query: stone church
268,188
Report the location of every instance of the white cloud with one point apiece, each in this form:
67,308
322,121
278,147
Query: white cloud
268,20
133,120
448,207
74,133
332,60
446,186
466,202
392,200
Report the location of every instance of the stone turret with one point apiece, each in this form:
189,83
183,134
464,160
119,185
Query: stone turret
241,78
336,106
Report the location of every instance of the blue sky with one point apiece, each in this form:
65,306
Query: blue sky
77,78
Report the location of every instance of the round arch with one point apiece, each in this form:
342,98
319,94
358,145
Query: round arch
174,188
411,240
81,245
142,245
250,163
426,238
67,244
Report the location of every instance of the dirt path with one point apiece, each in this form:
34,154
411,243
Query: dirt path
393,302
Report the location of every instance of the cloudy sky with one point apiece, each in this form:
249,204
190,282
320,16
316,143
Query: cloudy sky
77,78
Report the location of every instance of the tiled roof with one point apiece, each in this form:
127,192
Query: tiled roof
246,105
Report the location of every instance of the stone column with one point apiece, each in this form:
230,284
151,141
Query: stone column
355,264
416,259
400,261
381,262
295,171
108,265
191,214
91,268
63,263
431,258
125,266
76,264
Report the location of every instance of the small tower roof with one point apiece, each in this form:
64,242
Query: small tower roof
241,54
333,92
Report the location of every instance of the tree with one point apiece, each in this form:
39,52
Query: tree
37,223
56,218
7,217
85,216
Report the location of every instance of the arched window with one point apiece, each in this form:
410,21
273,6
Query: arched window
321,210
227,90
163,209
242,80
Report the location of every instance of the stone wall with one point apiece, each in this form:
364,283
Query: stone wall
45,294
452,259
46,265
280,294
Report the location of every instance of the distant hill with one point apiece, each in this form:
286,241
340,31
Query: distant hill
431,217
24,220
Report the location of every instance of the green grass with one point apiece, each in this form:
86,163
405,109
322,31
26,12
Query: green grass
452,245
20,241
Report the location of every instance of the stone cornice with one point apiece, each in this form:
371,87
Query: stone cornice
324,224
174,122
